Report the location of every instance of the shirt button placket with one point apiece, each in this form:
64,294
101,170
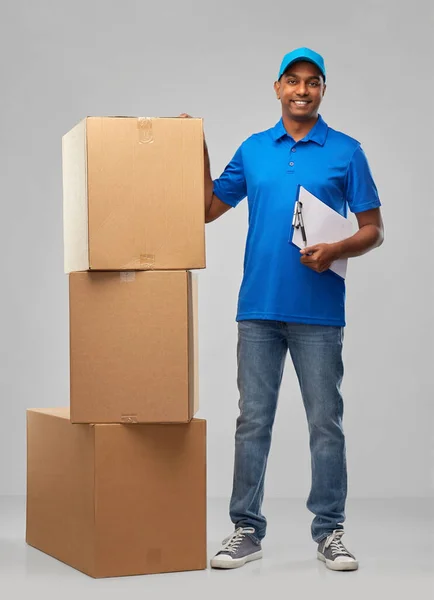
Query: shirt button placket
291,164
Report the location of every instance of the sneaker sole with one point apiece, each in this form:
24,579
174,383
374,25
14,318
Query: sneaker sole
234,563
341,566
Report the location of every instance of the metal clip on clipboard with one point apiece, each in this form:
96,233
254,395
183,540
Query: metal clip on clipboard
297,220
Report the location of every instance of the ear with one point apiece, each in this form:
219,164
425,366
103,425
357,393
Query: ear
324,90
277,89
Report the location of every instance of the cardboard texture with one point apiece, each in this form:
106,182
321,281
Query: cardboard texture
133,347
114,500
133,194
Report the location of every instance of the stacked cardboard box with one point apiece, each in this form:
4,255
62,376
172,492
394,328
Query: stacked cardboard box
116,484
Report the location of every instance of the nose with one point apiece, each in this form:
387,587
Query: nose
302,89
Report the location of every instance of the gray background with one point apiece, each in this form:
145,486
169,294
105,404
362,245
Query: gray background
61,61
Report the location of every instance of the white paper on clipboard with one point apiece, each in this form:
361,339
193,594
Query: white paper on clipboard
323,225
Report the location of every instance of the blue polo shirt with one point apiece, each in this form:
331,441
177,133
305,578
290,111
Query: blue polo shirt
268,167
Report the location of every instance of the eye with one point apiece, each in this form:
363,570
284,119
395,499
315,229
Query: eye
291,81
314,84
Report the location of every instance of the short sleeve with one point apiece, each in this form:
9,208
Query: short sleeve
360,190
231,186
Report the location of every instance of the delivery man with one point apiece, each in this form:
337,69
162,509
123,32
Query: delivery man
290,301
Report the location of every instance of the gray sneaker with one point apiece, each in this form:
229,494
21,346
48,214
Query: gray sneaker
237,549
336,557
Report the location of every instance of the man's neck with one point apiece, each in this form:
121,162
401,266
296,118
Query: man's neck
298,129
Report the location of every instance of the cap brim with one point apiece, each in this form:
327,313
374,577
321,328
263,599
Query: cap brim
301,59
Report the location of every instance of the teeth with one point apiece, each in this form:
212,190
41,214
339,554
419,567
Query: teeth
300,102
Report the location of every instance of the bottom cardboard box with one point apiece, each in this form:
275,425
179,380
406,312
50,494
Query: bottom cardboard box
113,499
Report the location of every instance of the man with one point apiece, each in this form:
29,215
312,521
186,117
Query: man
290,301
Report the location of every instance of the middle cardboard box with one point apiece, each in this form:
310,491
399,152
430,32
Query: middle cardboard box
133,346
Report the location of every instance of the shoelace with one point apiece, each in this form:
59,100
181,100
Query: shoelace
231,543
335,542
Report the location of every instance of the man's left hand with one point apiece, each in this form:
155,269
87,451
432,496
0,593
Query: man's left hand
319,257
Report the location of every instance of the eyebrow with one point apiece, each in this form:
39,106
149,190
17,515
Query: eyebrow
307,78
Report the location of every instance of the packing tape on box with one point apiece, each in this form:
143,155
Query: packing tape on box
147,261
127,276
142,262
128,418
144,126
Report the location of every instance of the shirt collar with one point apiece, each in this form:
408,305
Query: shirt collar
317,134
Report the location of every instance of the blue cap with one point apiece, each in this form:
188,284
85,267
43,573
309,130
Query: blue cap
302,54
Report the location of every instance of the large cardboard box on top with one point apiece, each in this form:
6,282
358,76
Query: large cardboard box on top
133,347
114,500
133,194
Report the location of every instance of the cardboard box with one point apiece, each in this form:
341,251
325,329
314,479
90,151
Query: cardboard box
133,194
113,500
133,347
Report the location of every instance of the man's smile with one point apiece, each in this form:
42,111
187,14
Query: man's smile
301,102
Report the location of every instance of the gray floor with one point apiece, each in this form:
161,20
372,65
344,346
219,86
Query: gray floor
393,540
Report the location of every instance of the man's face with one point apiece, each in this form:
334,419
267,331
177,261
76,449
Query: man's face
300,90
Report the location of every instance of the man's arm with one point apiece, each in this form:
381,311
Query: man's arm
214,207
370,235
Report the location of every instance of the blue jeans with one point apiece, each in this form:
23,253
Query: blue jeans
316,353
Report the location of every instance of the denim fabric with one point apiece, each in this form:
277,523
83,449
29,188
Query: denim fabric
316,353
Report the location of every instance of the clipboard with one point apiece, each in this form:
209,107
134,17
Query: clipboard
322,225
